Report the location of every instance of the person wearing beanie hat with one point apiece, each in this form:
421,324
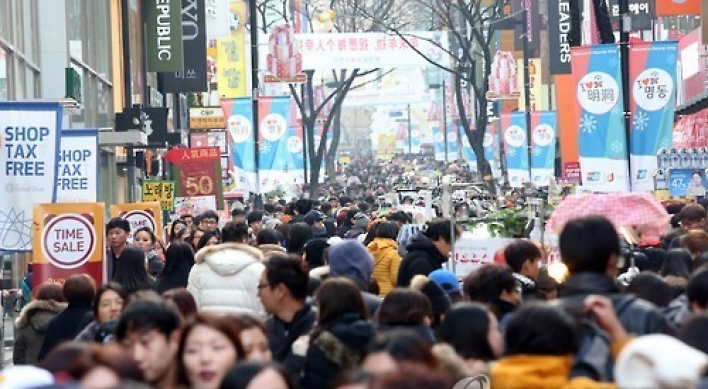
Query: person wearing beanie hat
350,259
448,282
439,302
361,223
659,361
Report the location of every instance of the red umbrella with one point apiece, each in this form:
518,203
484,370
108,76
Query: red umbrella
641,210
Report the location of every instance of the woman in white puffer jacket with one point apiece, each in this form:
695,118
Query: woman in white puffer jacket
224,279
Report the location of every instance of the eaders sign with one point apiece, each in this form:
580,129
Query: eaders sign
163,29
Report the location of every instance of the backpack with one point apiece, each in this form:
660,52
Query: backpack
594,359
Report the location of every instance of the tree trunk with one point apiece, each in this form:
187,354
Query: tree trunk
336,137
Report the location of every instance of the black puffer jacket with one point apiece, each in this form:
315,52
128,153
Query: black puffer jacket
422,257
638,317
281,337
339,348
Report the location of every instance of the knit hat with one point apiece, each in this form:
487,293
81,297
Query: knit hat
352,260
439,301
446,279
659,361
361,221
24,376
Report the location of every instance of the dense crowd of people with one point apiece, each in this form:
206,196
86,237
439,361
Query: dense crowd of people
320,295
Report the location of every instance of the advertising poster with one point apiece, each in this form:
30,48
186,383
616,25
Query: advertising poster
599,104
652,73
68,239
691,183
543,157
77,177
29,151
516,148
140,215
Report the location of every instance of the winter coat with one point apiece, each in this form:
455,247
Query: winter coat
281,337
224,279
66,326
386,263
542,372
30,327
339,348
639,317
422,257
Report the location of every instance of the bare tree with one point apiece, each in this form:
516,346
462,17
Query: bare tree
471,35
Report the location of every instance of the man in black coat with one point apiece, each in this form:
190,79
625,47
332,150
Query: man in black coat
428,250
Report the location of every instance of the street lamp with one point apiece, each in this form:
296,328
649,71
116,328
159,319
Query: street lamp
253,23
442,86
509,23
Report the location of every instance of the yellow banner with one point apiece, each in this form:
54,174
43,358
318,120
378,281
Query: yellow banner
537,101
231,68
160,191
140,215
386,146
68,240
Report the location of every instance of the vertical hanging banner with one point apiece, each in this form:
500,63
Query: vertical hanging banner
536,89
559,26
231,69
652,73
452,138
77,177
516,148
29,150
163,35
273,115
543,136
193,78
438,142
238,114
199,171
602,139
491,149
140,215
68,240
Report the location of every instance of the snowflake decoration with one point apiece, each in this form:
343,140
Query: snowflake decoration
617,147
641,121
666,143
588,124
265,147
511,152
537,151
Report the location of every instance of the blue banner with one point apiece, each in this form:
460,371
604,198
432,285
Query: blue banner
602,140
438,142
516,146
239,125
652,72
491,149
543,136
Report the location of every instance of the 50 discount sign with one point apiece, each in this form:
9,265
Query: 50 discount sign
199,170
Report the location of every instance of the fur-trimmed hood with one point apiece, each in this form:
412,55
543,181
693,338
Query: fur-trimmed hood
228,258
676,282
38,313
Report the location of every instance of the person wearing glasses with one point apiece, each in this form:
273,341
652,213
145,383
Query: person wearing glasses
209,221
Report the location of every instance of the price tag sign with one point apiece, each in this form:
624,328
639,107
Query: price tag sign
198,178
160,191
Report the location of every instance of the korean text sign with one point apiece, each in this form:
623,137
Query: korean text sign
160,191
68,240
199,170
29,146
77,179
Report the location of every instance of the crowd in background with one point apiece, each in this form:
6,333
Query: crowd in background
324,295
